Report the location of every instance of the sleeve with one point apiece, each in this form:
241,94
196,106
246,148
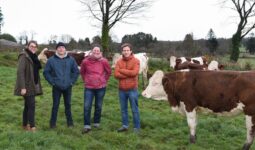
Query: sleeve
47,72
117,73
83,70
131,73
21,72
108,70
74,72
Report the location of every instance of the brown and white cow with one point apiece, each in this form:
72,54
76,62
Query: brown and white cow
220,92
176,62
196,63
154,89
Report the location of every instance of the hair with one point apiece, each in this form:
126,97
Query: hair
30,42
126,45
96,45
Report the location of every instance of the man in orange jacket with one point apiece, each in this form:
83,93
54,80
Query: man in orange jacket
126,71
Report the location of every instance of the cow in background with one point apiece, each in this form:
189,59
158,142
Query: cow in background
196,63
78,56
143,58
220,92
175,62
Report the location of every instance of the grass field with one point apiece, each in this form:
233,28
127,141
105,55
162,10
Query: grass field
161,129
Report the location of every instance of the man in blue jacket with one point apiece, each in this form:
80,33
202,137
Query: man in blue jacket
61,71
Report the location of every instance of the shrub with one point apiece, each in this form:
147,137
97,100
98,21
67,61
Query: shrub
8,37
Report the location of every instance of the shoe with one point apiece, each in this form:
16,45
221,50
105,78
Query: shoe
33,129
136,130
70,125
53,126
85,130
122,129
26,127
96,125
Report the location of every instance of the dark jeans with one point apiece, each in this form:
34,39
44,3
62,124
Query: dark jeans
29,111
132,97
89,95
56,94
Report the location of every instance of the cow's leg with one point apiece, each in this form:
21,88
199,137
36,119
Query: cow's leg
250,131
192,122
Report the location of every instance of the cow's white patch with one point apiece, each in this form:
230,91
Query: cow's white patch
249,124
172,61
200,59
233,112
192,121
185,70
214,65
180,109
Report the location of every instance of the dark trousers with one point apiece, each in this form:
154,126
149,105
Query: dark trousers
29,111
56,94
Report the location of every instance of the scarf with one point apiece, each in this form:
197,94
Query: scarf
36,65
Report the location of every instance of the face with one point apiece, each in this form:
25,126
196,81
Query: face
32,47
61,50
126,51
96,51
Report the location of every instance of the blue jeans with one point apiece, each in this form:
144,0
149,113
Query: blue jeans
89,95
132,96
56,94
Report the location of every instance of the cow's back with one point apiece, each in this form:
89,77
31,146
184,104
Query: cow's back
217,91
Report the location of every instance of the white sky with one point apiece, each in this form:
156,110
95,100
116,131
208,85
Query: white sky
168,20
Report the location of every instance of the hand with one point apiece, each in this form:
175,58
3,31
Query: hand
23,91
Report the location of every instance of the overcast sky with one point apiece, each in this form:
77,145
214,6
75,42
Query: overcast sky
168,20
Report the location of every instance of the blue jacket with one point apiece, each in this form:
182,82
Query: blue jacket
61,72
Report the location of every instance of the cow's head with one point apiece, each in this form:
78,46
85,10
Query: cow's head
42,57
155,90
214,65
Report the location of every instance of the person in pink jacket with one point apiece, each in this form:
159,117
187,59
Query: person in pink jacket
95,72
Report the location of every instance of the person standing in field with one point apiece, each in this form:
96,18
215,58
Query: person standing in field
61,71
28,83
95,72
126,71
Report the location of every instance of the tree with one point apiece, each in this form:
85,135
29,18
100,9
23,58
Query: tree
109,12
65,38
1,20
72,44
23,38
188,43
246,13
96,39
8,37
139,39
250,44
211,42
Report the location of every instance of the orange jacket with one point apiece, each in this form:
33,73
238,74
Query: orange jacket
127,70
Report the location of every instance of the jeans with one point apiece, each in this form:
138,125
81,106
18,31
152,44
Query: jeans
29,111
132,96
89,95
56,94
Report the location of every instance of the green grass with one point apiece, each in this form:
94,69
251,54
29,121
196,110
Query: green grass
161,129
